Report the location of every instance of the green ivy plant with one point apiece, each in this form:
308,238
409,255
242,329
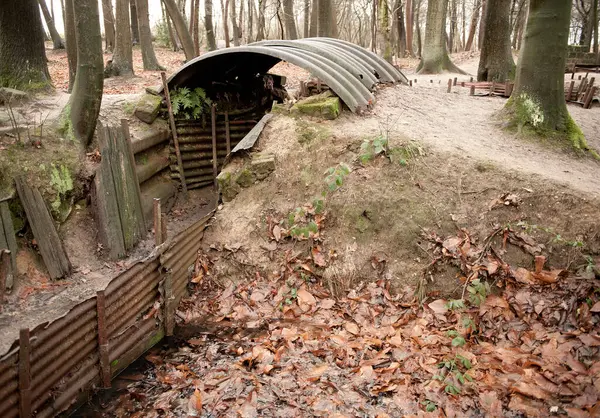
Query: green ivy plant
189,104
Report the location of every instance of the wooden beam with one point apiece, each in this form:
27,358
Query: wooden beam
174,131
213,118
42,224
8,241
24,373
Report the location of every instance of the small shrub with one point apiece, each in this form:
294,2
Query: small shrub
189,104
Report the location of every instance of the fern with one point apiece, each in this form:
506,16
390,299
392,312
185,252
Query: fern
189,104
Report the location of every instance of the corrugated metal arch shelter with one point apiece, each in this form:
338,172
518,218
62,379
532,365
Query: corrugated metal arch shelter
349,70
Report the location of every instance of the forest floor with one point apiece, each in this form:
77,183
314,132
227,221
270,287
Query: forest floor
364,318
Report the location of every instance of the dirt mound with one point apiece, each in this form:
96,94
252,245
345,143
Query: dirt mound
382,206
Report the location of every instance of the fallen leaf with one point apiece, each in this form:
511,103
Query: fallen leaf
352,328
316,372
305,300
318,257
195,404
277,233
439,307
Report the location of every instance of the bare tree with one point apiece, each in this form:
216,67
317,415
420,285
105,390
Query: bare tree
135,31
86,98
109,24
56,40
180,27
313,30
327,19
122,62
473,27
409,28
208,25
496,62
435,57
289,19
234,24
71,40
260,29
148,55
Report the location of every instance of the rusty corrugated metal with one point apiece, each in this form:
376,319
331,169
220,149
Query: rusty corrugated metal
64,359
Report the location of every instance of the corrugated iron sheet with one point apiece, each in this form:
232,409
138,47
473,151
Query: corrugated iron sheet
349,70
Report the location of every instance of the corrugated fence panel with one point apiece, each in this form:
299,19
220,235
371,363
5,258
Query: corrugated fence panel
64,357
9,385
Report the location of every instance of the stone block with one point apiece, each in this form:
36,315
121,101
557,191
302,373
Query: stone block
227,187
323,105
262,165
147,108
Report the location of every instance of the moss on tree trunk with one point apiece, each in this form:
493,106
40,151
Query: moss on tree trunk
496,62
22,55
538,99
435,57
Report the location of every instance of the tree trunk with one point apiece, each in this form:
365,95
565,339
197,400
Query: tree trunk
418,27
496,62
484,6
208,24
435,56
327,19
250,27
400,29
135,31
373,27
122,62
196,28
260,29
473,27
234,24
596,23
71,39
409,28
521,20
148,55
56,40
383,30
289,19
172,37
453,27
109,25
85,100
224,14
23,63
313,30
538,99
306,30
180,27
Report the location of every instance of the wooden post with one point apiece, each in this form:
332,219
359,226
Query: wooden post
158,238
174,132
415,81
455,80
163,227
492,87
169,302
6,273
213,117
125,128
449,85
570,91
227,133
102,339
471,80
590,97
42,224
509,89
8,241
410,83
579,77
319,85
472,91
24,374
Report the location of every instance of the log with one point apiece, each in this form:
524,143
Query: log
149,140
202,139
153,164
42,225
221,129
199,147
8,241
588,102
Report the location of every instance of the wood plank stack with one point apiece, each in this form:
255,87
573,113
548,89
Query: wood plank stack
116,193
44,231
584,94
